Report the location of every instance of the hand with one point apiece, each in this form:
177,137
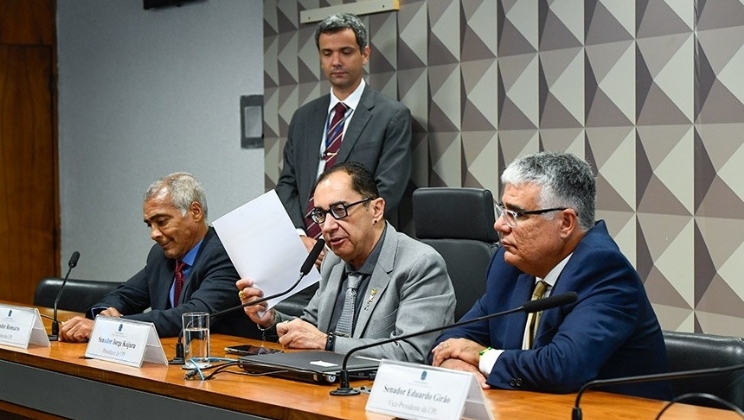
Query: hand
457,364
309,244
299,334
248,293
457,348
77,329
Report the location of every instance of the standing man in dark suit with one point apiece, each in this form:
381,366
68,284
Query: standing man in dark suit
187,270
550,244
351,123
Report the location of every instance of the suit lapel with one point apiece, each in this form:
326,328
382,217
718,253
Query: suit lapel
311,146
516,323
378,282
325,312
359,120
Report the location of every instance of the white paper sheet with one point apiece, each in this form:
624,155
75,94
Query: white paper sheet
264,246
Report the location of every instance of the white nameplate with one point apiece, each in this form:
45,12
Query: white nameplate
413,391
21,326
125,341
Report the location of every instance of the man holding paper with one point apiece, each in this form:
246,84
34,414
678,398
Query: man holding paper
376,284
187,270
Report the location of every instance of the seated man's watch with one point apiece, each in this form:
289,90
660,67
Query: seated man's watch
330,341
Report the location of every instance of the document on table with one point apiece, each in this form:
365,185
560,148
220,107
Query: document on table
263,244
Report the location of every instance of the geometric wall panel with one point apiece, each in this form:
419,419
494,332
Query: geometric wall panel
649,92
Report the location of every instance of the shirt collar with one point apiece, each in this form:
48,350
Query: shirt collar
352,101
191,255
552,276
369,264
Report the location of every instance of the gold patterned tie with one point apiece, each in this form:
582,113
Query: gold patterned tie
534,317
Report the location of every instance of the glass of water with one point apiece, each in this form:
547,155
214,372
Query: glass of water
196,339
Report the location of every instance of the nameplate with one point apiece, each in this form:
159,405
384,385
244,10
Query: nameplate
125,341
20,327
413,391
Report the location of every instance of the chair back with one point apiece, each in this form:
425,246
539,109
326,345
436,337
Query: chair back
78,296
689,351
458,223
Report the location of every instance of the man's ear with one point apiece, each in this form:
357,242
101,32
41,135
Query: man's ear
378,208
569,222
196,211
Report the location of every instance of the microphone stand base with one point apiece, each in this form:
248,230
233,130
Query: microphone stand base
177,361
53,337
345,391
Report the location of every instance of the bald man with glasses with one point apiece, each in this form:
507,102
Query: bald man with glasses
550,244
375,284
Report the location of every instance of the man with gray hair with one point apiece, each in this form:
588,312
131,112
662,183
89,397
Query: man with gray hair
187,270
551,245
351,123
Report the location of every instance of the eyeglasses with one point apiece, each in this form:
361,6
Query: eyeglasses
511,216
337,210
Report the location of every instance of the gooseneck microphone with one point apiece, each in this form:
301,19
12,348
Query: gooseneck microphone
577,415
54,336
178,359
344,388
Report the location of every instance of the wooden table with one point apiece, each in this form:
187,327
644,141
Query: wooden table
58,380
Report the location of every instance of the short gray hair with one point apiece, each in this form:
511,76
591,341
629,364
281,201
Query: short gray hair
183,188
564,180
341,21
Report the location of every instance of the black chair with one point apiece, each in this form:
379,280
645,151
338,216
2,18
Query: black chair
458,223
78,296
690,351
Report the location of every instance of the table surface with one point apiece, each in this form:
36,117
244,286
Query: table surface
286,399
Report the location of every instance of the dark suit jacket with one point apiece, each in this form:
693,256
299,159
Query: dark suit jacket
378,136
610,331
210,287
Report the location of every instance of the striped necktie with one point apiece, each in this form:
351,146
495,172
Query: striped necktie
334,136
179,281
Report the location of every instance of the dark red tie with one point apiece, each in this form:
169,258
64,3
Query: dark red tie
334,136
179,280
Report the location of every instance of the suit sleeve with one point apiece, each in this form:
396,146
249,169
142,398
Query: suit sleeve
286,187
214,280
426,300
394,165
585,336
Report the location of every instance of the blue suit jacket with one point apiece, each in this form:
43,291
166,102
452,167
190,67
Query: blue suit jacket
610,331
378,136
209,287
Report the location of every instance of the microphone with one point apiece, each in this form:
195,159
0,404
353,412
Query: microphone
178,359
537,305
577,415
54,336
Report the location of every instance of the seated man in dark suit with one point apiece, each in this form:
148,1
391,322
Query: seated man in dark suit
187,270
550,244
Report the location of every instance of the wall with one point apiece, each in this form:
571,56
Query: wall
143,93
649,92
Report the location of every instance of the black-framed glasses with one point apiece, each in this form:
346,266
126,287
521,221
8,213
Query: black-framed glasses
511,216
337,210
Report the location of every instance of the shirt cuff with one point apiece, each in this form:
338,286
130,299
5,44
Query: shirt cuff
487,360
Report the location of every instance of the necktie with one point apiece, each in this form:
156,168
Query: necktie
335,129
534,318
346,321
179,280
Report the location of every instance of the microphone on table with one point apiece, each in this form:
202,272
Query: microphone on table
54,336
577,415
344,388
178,359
